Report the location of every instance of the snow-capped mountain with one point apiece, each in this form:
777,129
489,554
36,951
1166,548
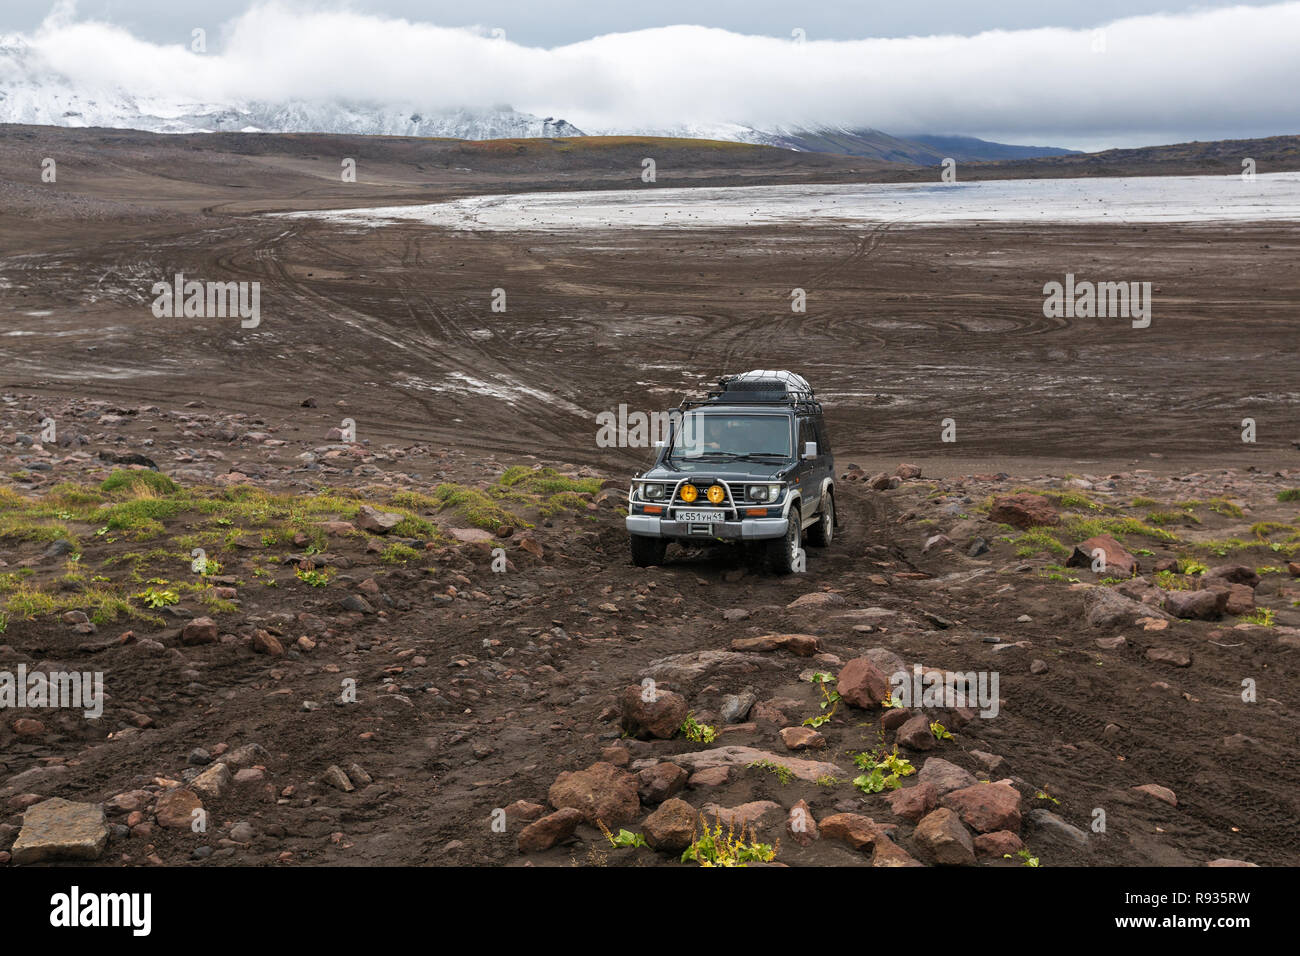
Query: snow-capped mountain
30,93
33,93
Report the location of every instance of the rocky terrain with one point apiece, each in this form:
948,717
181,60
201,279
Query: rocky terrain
356,579
349,680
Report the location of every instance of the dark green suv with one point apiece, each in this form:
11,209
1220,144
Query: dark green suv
750,464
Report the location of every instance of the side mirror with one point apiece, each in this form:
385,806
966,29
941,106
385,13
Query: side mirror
810,449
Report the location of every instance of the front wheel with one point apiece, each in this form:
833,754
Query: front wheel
820,534
647,551
786,554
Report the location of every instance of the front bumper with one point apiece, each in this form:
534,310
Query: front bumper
746,529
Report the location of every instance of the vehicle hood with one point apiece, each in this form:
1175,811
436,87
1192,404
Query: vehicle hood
718,471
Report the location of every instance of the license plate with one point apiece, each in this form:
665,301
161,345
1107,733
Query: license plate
701,516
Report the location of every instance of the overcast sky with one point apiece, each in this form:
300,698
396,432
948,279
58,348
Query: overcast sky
1016,71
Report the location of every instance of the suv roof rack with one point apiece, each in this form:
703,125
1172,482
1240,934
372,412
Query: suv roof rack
761,386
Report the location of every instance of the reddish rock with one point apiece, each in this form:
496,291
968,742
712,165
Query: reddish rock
601,792
802,738
266,643
802,645
27,727
941,837
549,830
997,844
915,734
176,808
656,784
1201,605
800,825
889,853
854,829
1169,655
201,630
1119,562
1241,600
709,777
1235,574
522,810
1163,794
912,803
671,828
862,684
1023,511
661,717
986,807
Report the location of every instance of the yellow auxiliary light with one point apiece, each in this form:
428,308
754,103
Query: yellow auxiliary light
715,494
689,493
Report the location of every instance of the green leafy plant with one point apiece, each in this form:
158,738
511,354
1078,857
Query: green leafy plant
883,771
1024,855
697,732
156,597
1263,616
711,847
624,838
830,698
312,577
939,731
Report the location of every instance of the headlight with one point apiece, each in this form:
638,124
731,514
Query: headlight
652,492
715,494
689,493
763,492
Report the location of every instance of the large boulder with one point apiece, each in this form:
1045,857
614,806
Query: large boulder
1119,563
601,792
58,829
1235,574
854,829
1024,511
671,828
1102,607
549,830
802,645
376,522
660,717
986,807
941,837
862,684
1204,605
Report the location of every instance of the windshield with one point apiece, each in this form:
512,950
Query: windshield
704,434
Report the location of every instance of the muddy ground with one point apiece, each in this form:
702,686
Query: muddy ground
474,689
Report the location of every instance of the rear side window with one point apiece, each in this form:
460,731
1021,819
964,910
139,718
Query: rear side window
806,434
823,443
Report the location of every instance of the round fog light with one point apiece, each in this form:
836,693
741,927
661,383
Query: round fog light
715,494
689,493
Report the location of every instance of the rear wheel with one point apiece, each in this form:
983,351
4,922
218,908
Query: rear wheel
647,551
783,553
820,534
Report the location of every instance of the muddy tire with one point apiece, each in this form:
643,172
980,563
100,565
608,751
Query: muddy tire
647,551
781,552
820,534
